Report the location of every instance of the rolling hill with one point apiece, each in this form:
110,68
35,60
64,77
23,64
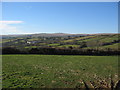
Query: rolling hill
61,40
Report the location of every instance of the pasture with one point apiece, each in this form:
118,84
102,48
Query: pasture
59,71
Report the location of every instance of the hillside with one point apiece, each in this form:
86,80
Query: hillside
43,35
93,41
59,71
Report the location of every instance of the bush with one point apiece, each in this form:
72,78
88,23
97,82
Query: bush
10,50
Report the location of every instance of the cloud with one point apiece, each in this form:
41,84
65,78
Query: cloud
9,27
10,22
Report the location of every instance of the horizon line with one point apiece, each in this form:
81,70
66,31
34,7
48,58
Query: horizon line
57,33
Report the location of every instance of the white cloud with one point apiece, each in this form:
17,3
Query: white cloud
10,22
9,27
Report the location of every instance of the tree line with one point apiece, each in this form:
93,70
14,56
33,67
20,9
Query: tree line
59,51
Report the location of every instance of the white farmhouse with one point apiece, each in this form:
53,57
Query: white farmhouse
28,42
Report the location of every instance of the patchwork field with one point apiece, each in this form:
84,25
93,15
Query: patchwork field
102,42
59,71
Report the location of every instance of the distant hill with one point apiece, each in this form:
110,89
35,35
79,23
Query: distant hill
102,41
44,35
59,43
51,35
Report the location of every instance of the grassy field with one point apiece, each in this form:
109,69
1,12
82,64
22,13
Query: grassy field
57,71
110,41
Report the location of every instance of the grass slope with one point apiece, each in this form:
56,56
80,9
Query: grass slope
56,71
76,42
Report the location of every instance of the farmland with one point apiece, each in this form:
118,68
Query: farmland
70,44
102,41
60,61
59,71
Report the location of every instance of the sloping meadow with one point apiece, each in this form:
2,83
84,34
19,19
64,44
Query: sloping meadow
59,71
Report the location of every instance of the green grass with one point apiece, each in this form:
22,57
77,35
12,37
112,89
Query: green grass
67,46
4,40
92,41
114,46
31,46
33,39
55,44
103,39
109,39
80,38
56,71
